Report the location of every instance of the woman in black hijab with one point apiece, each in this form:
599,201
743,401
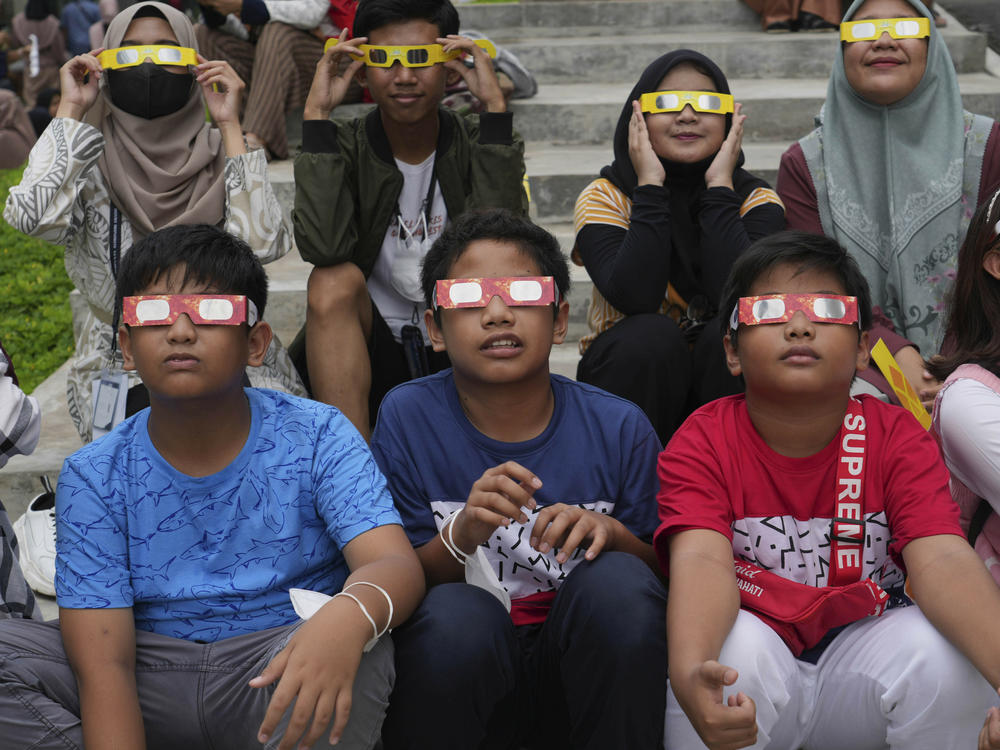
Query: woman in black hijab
658,233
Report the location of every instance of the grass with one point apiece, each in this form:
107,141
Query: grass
36,325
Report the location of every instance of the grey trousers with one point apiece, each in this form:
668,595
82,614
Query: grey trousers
192,695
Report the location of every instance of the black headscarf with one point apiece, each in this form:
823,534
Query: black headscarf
37,10
685,183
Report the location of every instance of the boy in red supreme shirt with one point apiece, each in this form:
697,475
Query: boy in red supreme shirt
791,517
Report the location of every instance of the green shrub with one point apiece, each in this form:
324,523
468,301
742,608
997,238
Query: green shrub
35,321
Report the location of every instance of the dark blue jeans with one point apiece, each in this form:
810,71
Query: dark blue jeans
594,675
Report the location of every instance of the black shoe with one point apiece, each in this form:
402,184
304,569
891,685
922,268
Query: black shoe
779,27
812,22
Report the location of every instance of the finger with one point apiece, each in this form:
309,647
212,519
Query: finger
274,670
555,534
529,482
486,517
542,521
717,675
599,540
499,496
321,719
305,702
284,694
514,493
342,714
583,528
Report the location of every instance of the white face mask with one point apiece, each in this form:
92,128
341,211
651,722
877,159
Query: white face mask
411,247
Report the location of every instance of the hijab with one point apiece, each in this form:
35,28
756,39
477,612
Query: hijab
17,136
167,170
685,183
890,185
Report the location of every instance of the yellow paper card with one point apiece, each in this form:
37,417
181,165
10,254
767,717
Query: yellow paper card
892,372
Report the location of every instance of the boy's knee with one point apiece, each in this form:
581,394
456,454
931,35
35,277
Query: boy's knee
336,290
617,593
457,627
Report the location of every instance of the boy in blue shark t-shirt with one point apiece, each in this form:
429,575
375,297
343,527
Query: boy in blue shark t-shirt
181,532
543,486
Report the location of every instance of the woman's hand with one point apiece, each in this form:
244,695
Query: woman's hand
78,80
223,91
648,168
720,171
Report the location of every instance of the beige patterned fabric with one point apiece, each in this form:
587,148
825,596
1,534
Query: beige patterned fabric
62,199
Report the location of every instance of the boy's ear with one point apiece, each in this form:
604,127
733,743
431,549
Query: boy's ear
362,76
259,339
863,353
434,331
732,357
561,323
991,263
452,77
125,344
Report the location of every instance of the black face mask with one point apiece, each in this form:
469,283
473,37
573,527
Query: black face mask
149,91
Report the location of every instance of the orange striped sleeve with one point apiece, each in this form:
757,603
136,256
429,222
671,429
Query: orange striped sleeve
759,197
601,203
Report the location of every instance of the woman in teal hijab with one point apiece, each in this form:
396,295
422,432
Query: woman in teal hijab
896,167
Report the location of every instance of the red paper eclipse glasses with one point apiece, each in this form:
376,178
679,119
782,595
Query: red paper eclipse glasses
515,291
779,308
202,309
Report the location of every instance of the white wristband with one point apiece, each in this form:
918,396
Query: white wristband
449,541
384,593
364,611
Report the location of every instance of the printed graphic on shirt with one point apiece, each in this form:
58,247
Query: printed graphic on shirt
521,569
800,550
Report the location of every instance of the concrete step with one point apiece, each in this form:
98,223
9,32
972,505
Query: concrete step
508,20
614,57
557,172
775,109
286,306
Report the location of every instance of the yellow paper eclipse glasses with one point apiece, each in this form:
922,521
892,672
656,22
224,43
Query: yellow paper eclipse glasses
126,57
675,101
873,28
410,56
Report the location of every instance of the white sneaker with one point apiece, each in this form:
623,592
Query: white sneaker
36,536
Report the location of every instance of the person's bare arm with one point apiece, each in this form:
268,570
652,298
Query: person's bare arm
100,646
954,590
317,667
702,605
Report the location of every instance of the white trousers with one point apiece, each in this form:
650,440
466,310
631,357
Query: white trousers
886,682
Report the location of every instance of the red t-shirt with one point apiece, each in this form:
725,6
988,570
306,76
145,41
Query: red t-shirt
718,473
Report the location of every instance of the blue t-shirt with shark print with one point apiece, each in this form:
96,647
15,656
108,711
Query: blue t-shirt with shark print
207,558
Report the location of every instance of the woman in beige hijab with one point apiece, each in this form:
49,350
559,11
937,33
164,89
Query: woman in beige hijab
128,152
16,134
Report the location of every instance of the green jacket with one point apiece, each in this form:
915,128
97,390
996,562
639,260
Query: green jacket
347,184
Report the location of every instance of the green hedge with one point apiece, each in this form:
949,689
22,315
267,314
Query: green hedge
35,321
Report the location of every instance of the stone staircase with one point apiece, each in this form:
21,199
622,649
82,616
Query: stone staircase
586,56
